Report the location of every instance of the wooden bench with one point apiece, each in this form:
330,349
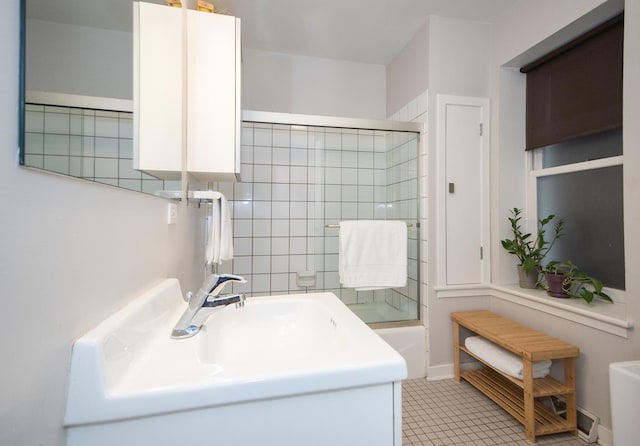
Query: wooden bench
520,397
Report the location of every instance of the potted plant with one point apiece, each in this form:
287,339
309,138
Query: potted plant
530,251
565,279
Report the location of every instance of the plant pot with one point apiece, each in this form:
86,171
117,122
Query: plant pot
554,281
527,280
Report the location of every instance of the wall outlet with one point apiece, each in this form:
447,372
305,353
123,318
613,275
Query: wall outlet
172,213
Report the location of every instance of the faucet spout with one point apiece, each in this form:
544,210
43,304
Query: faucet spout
200,306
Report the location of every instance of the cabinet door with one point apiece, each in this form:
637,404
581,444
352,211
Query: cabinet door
213,110
463,143
157,90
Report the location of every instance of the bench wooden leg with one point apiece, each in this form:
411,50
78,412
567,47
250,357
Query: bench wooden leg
570,381
529,402
456,351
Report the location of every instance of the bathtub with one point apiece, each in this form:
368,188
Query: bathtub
407,336
409,341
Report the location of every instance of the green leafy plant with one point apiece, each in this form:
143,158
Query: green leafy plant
530,251
577,283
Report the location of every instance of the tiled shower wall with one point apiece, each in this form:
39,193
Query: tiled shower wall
298,179
95,145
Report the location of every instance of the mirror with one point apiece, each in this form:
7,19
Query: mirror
78,90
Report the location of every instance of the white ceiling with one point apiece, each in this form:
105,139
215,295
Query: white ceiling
370,31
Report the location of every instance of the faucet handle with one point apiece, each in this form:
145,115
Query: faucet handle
222,281
231,277
216,282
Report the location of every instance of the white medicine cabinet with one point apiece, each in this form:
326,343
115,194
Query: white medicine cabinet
187,111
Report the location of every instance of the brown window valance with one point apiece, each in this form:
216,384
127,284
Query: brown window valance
577,89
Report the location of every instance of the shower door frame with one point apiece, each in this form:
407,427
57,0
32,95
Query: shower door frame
358,124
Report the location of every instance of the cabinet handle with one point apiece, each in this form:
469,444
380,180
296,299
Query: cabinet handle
452,188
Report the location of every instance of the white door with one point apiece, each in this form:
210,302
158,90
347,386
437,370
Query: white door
461,149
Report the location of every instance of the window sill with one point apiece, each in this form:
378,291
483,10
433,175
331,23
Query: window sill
610,318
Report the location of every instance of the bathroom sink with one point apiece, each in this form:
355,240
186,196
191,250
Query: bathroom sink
128,367
275,331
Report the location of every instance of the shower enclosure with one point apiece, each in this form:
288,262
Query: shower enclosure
302,175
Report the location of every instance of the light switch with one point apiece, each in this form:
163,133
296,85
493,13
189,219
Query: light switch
172,213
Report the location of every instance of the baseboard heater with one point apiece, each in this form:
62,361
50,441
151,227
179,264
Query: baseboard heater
587,422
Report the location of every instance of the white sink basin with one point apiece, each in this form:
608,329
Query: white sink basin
275,331
274,347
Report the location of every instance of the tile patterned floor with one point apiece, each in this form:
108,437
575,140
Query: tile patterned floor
452,413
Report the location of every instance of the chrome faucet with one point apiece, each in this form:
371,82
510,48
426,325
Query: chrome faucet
200,305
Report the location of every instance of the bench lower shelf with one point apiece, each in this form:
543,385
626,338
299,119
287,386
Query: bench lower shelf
510,397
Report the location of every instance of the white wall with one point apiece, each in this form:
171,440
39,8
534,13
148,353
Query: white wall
310,85
73,252
79,60
529,27
458,53
408,73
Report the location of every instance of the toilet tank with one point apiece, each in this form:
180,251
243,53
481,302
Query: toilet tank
624,384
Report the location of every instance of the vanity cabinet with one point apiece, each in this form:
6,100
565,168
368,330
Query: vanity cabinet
187,108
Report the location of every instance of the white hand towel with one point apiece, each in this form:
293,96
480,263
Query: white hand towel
220,236
502,359
373,254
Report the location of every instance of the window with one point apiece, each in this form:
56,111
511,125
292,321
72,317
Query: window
574,135
581,182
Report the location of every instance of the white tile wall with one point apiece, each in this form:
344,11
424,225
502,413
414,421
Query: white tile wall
93,144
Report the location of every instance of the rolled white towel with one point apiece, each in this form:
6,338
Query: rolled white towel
502,359
219,236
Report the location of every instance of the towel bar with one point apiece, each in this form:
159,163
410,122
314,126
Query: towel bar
335,225
199,196
204,195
